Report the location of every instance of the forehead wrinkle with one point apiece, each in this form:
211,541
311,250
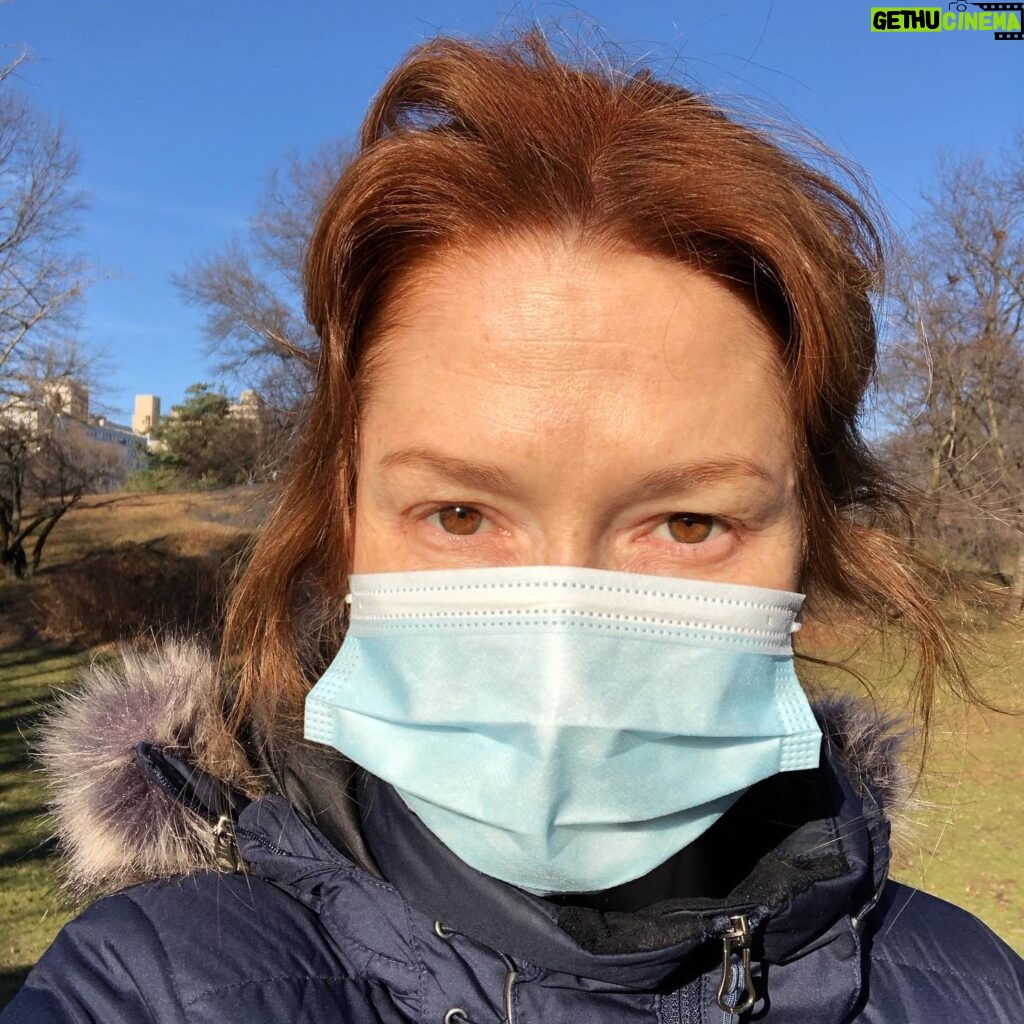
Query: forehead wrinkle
418,299
562,389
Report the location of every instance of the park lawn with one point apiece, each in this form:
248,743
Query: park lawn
963,835
963,845
969,851
30,910
971,827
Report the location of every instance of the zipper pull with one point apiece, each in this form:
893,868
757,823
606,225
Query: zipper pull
736,940
225,849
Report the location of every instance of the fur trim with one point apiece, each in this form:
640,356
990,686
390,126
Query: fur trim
872,745
116,829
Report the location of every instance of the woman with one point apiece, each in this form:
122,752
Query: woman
583,434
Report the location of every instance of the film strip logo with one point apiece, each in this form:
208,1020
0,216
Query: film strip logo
960,5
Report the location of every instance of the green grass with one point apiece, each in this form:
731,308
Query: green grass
962,839
29,906
972,836
971,826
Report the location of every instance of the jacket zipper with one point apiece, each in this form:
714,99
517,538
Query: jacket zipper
736,989
507,989
224,847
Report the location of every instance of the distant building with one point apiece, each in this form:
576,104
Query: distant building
133,445
68,401
147,413
70,397
248,405
55,399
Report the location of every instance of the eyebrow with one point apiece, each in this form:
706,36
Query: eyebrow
672,479
484,477
685,476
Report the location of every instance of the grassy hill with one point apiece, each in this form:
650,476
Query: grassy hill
962,841
118,565
196,519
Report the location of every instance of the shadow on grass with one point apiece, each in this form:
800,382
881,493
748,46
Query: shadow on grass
22,836
39,851
18,718
25,696
20,662
28,676
17,657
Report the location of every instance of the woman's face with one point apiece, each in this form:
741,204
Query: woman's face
542,403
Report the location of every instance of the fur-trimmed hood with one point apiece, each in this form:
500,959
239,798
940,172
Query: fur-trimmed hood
116,828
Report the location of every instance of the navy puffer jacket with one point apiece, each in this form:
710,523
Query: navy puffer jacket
326,900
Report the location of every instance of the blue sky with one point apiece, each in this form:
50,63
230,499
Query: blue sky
180,109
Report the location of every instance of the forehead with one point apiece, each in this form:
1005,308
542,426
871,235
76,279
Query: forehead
538,339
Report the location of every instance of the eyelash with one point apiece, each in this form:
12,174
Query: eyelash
719,525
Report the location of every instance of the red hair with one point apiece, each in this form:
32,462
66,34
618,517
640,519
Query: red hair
470,143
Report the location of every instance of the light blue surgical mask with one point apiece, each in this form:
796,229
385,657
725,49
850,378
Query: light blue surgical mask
565,729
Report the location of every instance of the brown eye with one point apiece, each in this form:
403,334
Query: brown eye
459,519
690,528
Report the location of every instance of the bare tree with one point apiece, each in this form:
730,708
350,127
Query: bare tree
954,374
48,459
40,281
251,290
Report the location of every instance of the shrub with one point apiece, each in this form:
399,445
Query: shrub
155,478
134,588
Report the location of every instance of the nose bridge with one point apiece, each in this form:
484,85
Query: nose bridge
569,534
570,526
565,550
